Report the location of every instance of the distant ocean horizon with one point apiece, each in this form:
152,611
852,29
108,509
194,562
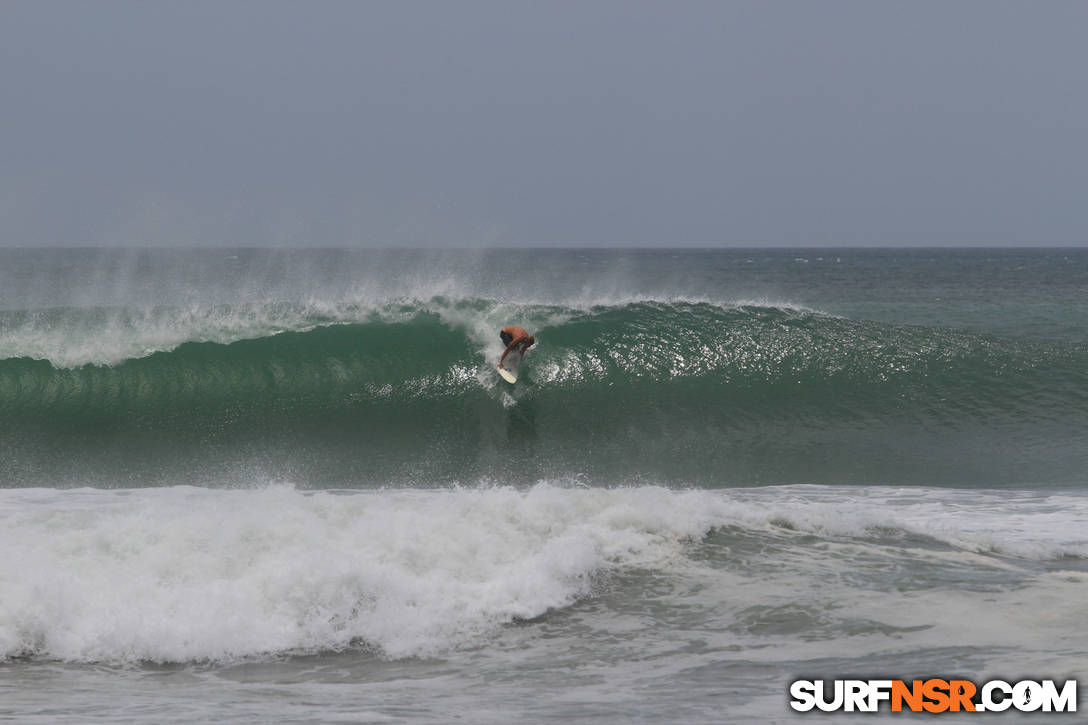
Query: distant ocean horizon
257,484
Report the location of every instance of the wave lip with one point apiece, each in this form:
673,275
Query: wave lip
73,337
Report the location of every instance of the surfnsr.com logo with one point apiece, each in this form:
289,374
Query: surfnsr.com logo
933,695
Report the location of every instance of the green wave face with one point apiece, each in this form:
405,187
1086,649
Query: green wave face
686,393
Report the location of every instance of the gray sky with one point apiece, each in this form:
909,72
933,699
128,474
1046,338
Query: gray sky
537,123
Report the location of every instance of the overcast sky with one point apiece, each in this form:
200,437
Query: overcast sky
536,123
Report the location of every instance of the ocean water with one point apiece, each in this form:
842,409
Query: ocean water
287,485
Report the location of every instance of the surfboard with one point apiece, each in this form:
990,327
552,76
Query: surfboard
509,369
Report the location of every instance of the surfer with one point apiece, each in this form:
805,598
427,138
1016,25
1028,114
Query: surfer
515,339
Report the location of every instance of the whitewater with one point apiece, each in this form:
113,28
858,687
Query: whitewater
286,485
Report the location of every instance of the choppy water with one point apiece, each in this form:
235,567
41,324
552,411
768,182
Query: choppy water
287,485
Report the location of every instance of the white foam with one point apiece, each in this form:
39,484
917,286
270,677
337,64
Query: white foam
189,574
182,574
109,337
1022,524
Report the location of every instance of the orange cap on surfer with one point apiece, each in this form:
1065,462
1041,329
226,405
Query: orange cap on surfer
515,338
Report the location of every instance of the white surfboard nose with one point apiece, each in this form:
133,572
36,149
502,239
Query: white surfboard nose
509,369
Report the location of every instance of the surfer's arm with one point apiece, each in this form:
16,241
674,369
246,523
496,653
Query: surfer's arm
507,352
